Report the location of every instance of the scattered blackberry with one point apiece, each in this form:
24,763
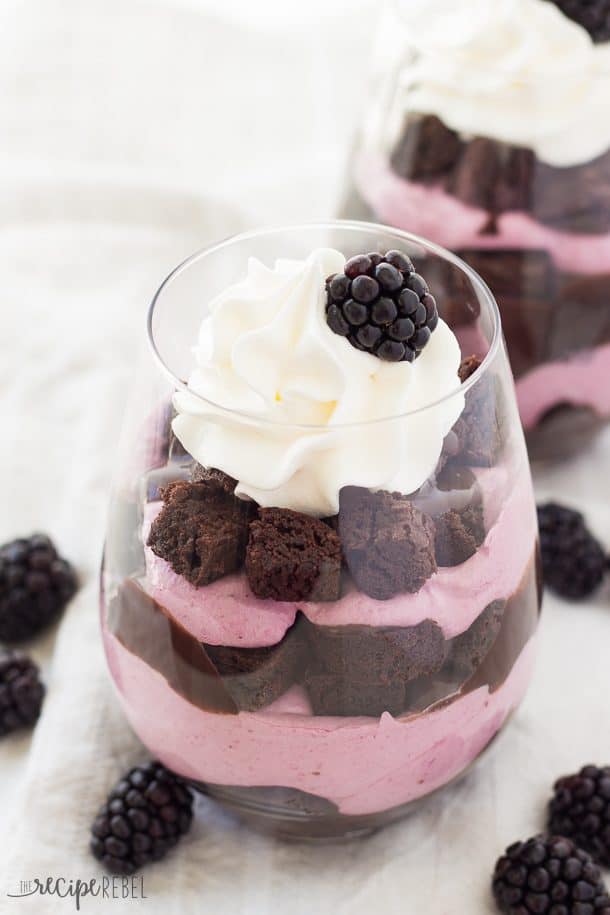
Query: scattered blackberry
573,561
145,815
35,585
21,692
382,306
549,875
580,810
593,15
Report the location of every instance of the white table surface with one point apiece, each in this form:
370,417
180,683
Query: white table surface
132,133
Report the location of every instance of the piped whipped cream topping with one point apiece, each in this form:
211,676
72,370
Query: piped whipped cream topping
518,71
305,397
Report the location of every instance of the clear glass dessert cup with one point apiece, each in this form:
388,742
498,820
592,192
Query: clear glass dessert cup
465,140
319,671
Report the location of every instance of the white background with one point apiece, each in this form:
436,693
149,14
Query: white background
132,133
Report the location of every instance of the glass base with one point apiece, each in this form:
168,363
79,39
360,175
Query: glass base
292,815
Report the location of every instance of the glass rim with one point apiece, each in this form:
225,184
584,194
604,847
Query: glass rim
350,225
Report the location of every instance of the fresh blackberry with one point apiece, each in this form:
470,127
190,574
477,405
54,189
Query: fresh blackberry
593,15
551,876
21,692
145,815
580,810
382,306
572,559
35,585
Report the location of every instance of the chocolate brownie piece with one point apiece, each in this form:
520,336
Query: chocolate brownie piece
427,149
477,174
292,556
366,670
330,695
515,185
387,542
458,535
563,431
201,531
256,677
215,478
528,274
588,298
468,650
376,654
574,199
456,299
477,428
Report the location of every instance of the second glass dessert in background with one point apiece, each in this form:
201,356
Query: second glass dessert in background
320,591
488,131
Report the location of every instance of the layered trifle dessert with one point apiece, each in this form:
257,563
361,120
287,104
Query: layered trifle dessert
489,132
322,599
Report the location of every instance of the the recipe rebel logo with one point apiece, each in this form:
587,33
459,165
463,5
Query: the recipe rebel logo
77,890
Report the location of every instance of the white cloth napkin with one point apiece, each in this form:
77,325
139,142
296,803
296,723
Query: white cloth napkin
124,125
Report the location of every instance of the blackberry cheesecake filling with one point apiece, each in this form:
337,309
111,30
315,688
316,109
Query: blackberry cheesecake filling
480,155
351,569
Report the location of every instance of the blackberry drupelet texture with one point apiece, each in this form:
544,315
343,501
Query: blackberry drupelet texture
35,585
382,306
572,559
21,692
580,810
146,813
551,876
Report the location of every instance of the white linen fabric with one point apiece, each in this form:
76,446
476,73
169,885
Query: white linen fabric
132,133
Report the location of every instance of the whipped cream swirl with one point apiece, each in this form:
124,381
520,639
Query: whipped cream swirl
266,351
518,71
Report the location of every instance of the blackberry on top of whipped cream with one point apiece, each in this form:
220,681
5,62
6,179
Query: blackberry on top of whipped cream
269,349
321,587
382,306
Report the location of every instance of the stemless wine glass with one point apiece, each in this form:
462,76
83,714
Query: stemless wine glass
464,139
379,667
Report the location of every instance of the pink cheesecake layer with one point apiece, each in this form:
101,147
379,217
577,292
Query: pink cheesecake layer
363,765
227,613
583,380
431,212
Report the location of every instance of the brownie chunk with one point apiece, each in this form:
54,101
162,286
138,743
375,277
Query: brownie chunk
468,367
292,556
458,535
477,428
215,478
256,677
387,542
201,531
427,149
332,696
476,175
515,187
376,654
468,650
367,670
518,274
